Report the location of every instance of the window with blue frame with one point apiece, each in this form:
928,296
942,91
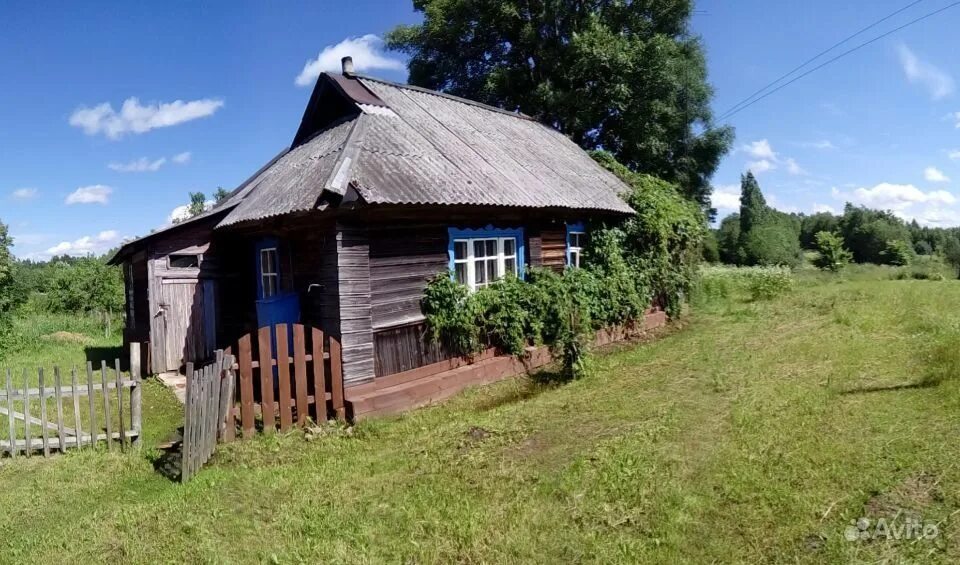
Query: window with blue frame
479,257
576,240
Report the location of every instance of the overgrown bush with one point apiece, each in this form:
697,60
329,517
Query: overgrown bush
750,283
897,252
832,255
8,296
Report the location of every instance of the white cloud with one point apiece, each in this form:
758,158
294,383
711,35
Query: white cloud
86,245
937,82
896,197
933,174
763,158
726,197
954,154
96,194
760,166
367,53
24,194
141,165
823,145
181,213
793,168
820,208
760,150
182,158
136,118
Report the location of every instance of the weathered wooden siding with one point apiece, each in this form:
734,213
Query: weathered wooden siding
353,274
554,248
402,261
404,348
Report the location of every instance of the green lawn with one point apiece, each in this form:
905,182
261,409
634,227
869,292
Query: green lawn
758,432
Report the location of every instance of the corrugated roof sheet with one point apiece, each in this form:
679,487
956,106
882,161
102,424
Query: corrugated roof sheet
295,182
415,146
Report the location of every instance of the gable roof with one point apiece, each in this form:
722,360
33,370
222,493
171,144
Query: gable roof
408,145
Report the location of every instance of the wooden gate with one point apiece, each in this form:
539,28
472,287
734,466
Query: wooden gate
254,388
78,410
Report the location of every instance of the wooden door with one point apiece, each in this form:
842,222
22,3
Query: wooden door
189,329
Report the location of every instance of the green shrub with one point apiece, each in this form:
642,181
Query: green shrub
718,283
770,283
832,255
897,252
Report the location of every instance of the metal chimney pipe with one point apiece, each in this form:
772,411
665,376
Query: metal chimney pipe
347,64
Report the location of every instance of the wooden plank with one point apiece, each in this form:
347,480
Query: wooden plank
43,415
58,387
78,433
187,446
319,378
223,405
51,393
107,417
26,411
231,429
246,389
336,379
300,373
188,425
118,377
90,400
283,375
136,408
135,361
52,426
12,422
266,380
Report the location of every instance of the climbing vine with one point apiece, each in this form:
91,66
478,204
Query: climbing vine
627,266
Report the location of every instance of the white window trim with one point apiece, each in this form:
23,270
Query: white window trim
275,274
501,259
574,250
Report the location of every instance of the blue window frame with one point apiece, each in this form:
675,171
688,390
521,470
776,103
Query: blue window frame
268,269
576,239
478,257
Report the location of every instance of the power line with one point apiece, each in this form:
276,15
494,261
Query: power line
818,55
840,56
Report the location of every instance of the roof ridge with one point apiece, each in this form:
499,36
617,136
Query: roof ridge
518,115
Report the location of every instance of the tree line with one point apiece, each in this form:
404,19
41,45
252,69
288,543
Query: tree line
761,235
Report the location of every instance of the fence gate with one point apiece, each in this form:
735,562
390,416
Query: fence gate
266,386
71,412
209,394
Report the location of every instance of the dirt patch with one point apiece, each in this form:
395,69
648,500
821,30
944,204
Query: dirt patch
67,337
915,493
476,433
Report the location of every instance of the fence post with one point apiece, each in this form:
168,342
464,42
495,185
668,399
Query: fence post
136,406
336,379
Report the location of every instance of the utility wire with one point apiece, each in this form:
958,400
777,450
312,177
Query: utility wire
840,56
818,55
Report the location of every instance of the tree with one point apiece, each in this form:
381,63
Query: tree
897,252
951,253
767,237
198,204
812,225
728,240
8,298
867,232
711,251
753,206
833,256
625,76
220,195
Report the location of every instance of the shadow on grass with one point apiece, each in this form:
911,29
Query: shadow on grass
98,354
168,462
530,386
925,383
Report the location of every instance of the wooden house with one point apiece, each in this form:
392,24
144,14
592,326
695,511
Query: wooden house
384,186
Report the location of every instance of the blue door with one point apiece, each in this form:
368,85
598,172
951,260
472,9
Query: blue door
276,304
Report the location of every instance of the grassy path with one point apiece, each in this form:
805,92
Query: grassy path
755,434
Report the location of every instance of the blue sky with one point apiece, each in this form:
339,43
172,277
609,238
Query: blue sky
111,114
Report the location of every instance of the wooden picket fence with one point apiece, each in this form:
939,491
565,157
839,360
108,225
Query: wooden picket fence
209,393
261,385
65,426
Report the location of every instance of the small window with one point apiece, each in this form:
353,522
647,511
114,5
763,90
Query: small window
269,272
183,261
479,262
575,242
